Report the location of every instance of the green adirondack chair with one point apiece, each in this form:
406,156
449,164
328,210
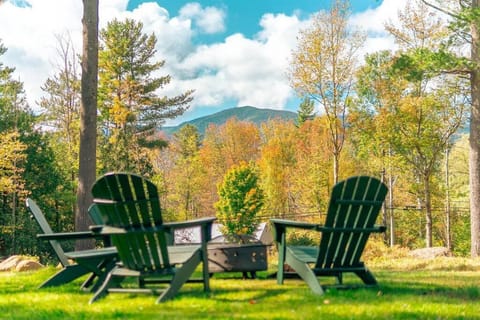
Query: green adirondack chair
95,262
130,207
351,216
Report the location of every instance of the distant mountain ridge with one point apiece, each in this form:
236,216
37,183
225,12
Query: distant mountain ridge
246,113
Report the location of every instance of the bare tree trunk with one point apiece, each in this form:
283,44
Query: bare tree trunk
475,140
384,210
336,157
447,201
88,117
392,217
428,212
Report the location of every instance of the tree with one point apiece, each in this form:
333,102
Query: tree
88,117
223,147
187,174
277,167
11,96
130,108
322,68
423,33
62,113
306,110
11,182
428,108
13,113
378,90
467,25
10,154
313,168
426,127
240,199
44,182
459,195
22,149
188,140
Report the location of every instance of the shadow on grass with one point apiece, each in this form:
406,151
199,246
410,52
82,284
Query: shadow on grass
400,295
462,286
412,288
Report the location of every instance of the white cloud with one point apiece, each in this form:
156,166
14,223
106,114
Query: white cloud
373,20
209,20
246,71
28,32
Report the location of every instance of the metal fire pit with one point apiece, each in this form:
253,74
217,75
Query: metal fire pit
241,254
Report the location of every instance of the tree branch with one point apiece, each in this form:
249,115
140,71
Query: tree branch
456,16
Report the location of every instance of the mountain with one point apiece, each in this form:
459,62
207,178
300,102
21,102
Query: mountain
246,113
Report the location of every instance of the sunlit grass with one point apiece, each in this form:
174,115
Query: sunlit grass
444,288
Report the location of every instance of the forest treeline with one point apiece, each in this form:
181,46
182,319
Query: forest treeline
396,115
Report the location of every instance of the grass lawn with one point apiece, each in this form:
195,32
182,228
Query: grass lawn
444,288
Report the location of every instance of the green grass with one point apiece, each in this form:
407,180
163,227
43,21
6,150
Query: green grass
446,288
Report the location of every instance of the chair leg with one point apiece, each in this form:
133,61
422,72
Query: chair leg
367,277
281,264
87,283
306,273
181,276
340,279
106,267
67,274
205,272
99,273
103,289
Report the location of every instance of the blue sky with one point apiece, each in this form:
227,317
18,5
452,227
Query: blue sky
232,53
244,15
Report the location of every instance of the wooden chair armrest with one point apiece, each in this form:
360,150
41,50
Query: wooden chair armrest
380,229
295,224
280,227
66,235
97,232
353,230
95,229
109,230
205,225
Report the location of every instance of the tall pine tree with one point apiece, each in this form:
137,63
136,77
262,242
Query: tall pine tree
130,106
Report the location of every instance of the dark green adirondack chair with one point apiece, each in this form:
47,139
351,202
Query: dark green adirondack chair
130,207
95,262
351,216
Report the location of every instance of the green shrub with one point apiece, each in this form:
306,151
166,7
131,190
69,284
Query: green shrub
240,199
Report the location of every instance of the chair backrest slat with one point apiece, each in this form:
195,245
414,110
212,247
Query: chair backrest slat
354,205
375,192
46,229
95,214
130,201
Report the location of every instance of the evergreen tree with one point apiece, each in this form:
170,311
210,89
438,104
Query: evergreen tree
306,110
130,107
240,200
23,150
